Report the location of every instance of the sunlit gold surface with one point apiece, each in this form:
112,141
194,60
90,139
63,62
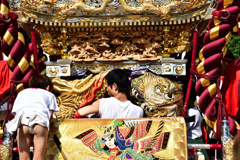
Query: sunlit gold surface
5,152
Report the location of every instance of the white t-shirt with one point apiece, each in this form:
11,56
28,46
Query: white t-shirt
194,130
35,100
113,108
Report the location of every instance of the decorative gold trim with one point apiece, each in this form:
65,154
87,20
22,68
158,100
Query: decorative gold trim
43,72
20,87
224,51
8,38
214,32
235,28
44,58
200,67
209,122
21,37
212,90
23,65
4,9
227,3
201,55
11,62
216,21
204,82
32,63
228,37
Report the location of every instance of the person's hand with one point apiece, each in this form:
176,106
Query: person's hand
78,115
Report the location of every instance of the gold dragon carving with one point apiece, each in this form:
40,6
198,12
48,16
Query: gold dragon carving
65,10
81,5
159,96
72,93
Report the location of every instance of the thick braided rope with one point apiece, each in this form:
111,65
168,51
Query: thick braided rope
20,55
220,27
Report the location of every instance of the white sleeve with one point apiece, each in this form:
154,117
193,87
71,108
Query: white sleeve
101,101
16,104
141,114
53,104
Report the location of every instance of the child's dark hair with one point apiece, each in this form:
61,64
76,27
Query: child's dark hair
40,81
49,82
119,77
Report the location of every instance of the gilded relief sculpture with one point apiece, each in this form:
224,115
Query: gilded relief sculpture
113,30
158,96
76,92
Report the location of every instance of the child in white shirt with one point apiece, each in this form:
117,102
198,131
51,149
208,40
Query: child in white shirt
33,109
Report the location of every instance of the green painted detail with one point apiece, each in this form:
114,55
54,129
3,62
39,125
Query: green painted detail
136,155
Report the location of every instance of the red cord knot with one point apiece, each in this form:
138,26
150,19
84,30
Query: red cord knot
225,14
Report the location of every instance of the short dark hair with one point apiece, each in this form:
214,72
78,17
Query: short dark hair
40,81
119,77
48,82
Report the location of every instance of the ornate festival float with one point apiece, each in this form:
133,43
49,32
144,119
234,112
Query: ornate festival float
84,40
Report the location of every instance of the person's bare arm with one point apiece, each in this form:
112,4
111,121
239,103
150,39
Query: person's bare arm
90,109
51,118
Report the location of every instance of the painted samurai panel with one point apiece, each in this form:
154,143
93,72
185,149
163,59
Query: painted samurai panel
118,139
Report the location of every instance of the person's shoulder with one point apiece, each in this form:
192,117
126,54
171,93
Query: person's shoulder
44,91
25,91
105,99
138,110
137,107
